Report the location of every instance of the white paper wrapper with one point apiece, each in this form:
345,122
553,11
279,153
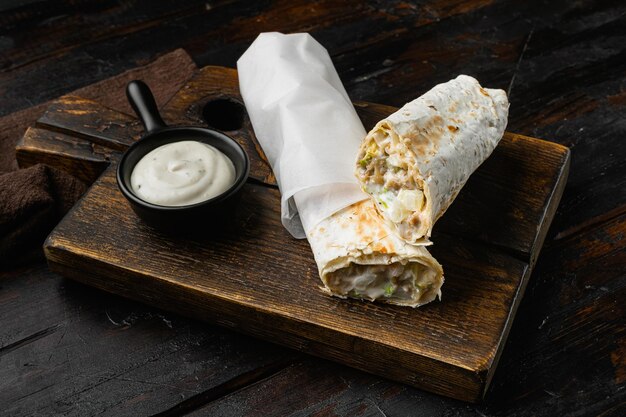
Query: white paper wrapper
305,123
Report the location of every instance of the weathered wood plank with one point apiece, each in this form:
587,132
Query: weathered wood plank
522,172
210,33
524,213
384,55
525,49
107,38
331,390
587,118
76,156
89,120
231,279
67,349
109,93
571,314
80,24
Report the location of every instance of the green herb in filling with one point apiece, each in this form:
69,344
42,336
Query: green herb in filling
389,289
363,162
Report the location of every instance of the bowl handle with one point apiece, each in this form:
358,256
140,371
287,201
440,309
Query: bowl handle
142,101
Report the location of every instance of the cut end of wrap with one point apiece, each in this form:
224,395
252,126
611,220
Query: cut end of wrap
359,256
414,163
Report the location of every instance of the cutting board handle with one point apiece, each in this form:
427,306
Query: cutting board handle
142,101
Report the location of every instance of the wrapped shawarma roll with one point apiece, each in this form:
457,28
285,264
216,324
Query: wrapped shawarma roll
414,163
310,132
358,255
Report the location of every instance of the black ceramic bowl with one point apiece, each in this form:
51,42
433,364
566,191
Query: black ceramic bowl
207,214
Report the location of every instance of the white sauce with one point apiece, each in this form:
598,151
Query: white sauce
182,173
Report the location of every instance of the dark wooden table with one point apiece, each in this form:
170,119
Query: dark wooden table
66,349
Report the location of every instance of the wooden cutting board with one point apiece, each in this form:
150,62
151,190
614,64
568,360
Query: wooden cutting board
255,278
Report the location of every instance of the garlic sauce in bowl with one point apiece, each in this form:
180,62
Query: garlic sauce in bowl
181,180
182,173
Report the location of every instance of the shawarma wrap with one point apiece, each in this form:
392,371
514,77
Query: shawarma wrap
414,163
359,256
310,132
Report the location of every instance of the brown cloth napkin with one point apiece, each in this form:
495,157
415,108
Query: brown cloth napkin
33,200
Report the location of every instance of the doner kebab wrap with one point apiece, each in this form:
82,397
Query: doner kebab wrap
414,163
310,132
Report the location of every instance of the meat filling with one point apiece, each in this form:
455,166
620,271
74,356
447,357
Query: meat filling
386,177
400,282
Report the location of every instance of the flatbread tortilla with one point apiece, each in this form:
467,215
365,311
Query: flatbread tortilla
359,256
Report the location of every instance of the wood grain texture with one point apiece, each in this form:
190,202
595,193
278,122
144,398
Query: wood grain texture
166,73
566,317
386,52
560,61
522,171
78,136
70,350
575,303
88,119
528,176
332,390
234,280
77,156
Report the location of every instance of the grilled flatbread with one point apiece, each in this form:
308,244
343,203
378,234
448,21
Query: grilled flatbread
359,256
414,163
